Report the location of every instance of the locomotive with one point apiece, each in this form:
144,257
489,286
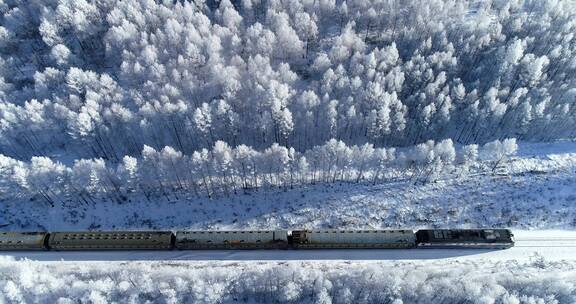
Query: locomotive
257,239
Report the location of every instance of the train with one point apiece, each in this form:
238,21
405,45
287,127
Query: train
257,239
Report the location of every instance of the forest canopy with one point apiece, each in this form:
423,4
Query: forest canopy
215,96
105,78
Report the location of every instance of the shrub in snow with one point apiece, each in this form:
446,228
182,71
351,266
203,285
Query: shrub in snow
467,157
498,152
469,154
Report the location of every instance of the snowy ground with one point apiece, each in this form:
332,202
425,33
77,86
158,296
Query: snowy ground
539,193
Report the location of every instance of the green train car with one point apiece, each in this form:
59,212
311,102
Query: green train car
23,240
333,239
249,239
111,240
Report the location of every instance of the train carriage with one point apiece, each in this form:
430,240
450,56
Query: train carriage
111,240
332,239
23,240
251,239
465,238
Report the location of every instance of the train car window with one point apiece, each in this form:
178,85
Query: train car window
441,234
490,235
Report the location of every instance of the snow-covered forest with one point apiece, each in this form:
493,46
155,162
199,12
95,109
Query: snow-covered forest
511,282
283,114
223,170
105,98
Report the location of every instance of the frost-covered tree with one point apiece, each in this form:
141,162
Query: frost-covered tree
498,152
89,178
245,164
128,173
47,178
467,157
361,157
223,164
